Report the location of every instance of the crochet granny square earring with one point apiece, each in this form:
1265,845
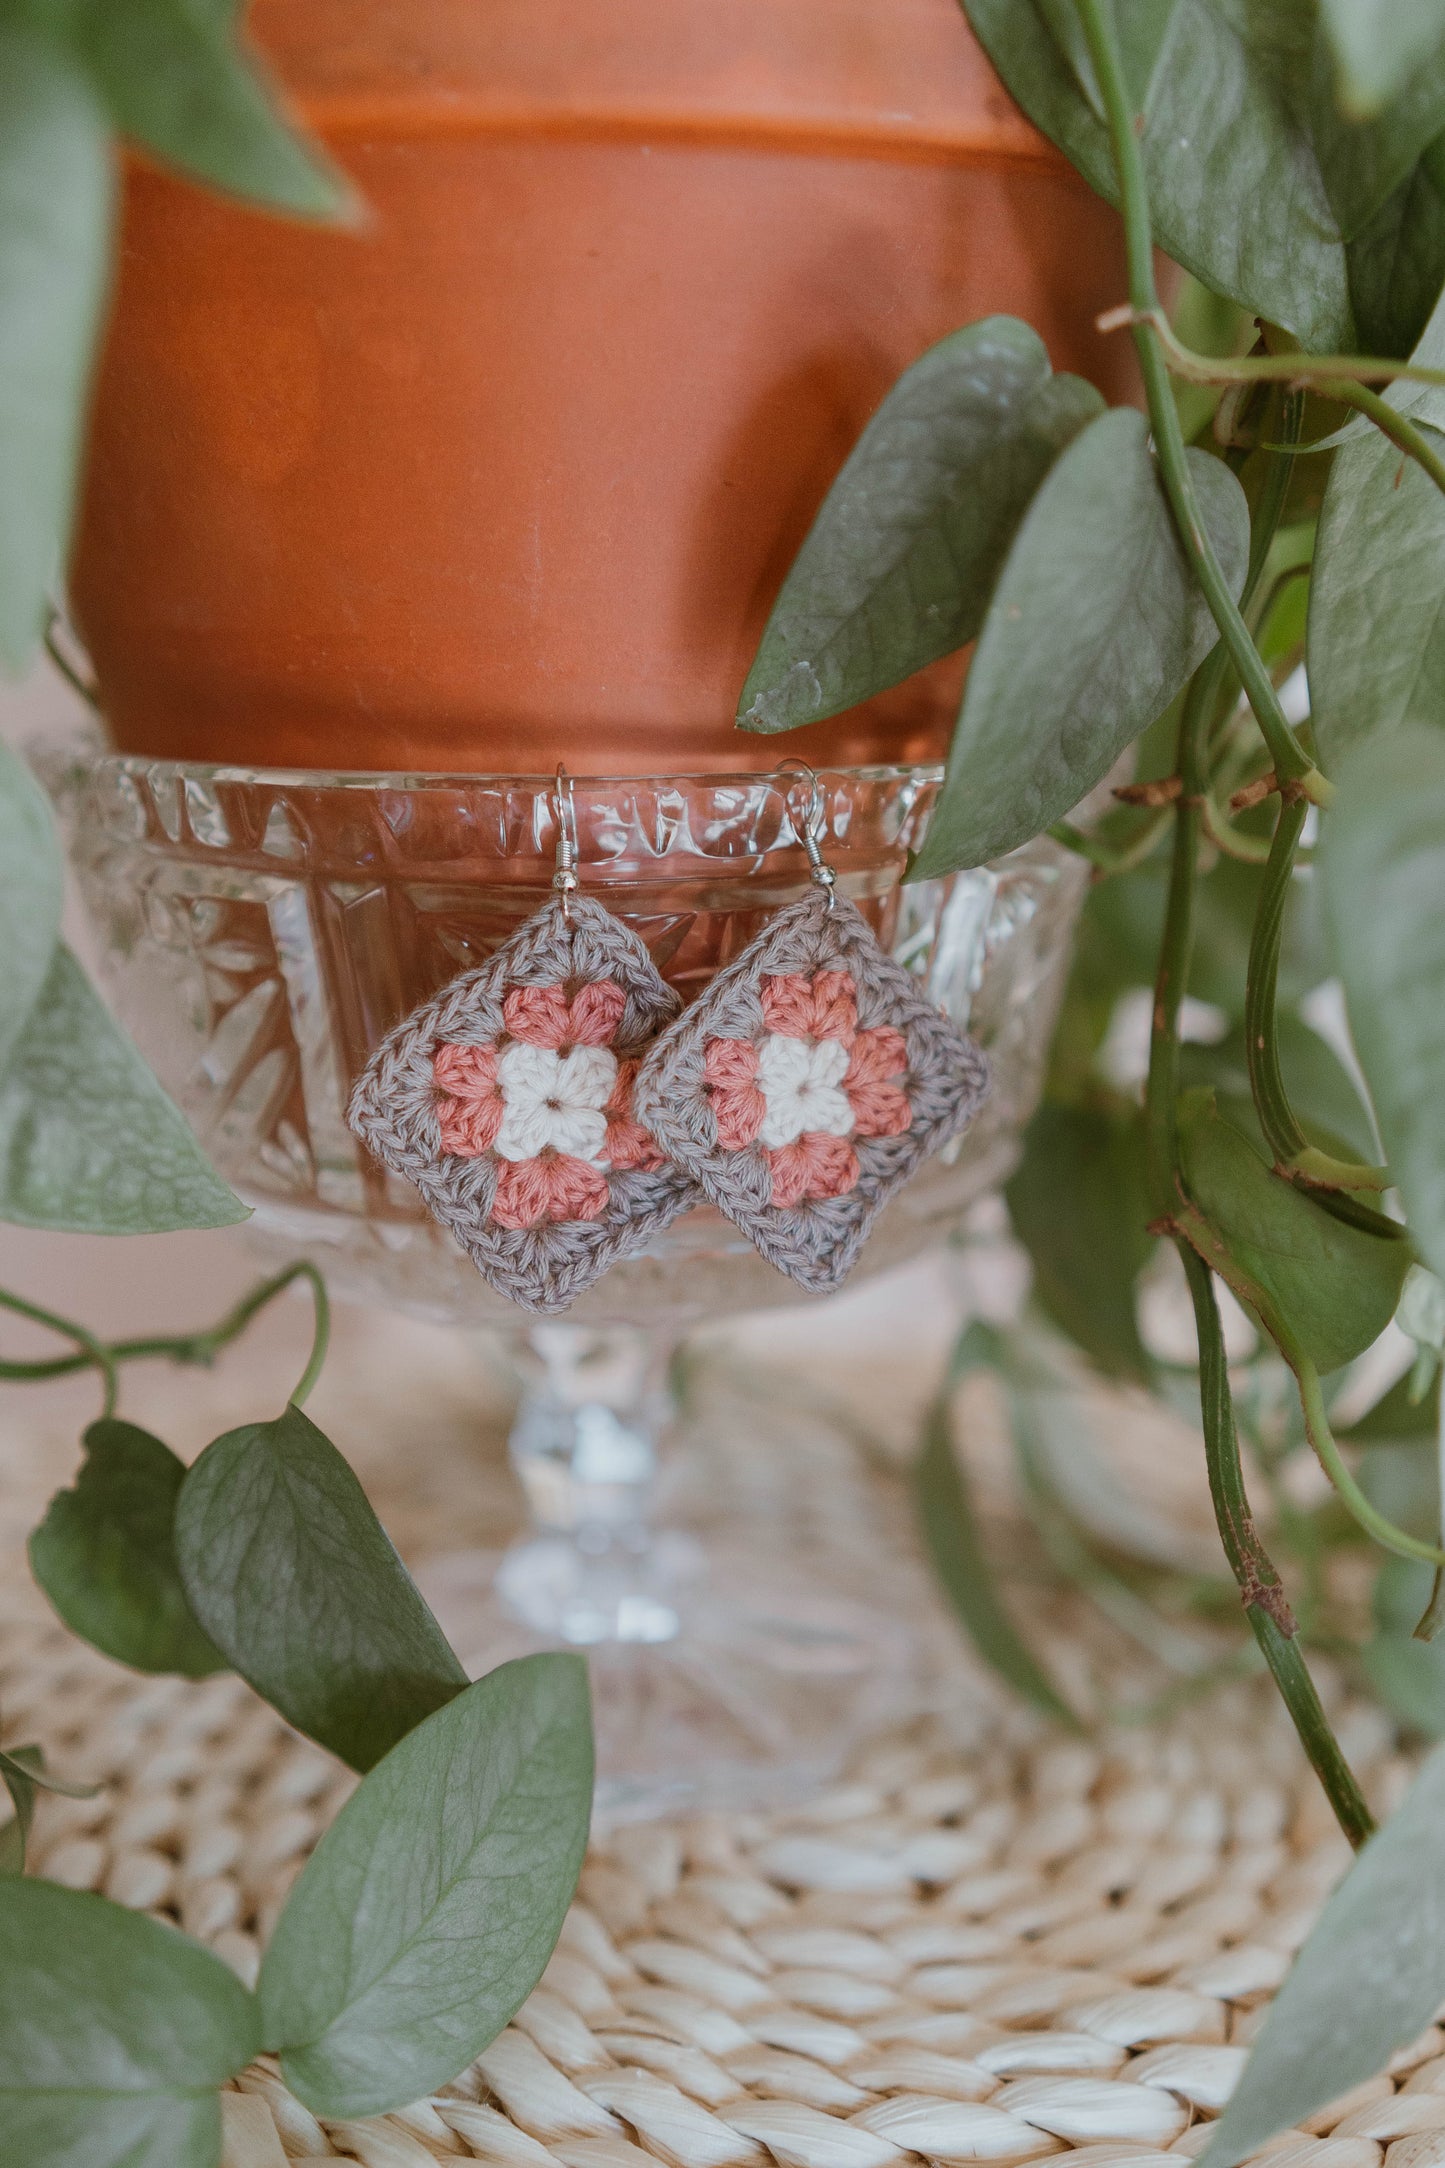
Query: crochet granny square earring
507,1099
810,1080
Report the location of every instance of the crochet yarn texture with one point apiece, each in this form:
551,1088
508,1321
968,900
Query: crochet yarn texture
806,1086
507,1100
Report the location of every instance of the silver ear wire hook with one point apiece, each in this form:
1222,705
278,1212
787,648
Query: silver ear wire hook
813,823
565,880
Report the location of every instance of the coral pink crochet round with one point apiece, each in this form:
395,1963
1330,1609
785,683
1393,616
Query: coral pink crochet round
554,1186
752,1083
554,1096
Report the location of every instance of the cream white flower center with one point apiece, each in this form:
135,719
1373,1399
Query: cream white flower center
802,1082
554,1099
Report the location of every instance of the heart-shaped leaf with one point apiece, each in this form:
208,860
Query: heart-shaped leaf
901,559
1328,1285
1079,1207
1399,1418
1377,43
30,893
956,1546
1377,599
428,1910
1095,624
293,1576
88,1140
1397,262
1383,868
1369,1979
1255,183
105,1555
1408,1675
115,2034
56,191
176,78
1320,1088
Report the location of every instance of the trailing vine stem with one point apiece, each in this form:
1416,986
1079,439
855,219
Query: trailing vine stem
1189,1225
1282,1132
1292,763
1326,370
1108,858
1294,1156
1161,1089
1322,1439
1250,850
1394,425
1270,1618
91,1352
1265,1604
196,1347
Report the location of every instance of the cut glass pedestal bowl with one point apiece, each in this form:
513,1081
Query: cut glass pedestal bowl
262,931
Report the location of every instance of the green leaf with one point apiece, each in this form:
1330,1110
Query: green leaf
1124,918
426,1914
1425,401
30,891
1079,1207
1404,1484
1377,43
899,563
1095,624
18,1770
1377,599
1235,188
176,77
56,189
115,2034
1397,262
105,1555
1319,1087
959,1554
292,1575
1409,1675
1329,1286
88,1140
1256,184
1397,1418
1383,869
1367,1981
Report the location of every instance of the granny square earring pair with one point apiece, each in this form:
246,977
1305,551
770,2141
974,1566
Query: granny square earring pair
507,1099
556,1113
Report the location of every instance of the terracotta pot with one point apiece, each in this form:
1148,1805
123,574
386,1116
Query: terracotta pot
513,475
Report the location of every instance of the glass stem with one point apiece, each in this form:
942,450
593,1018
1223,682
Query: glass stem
585,1448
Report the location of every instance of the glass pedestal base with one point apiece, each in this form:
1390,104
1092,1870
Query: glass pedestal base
718,1680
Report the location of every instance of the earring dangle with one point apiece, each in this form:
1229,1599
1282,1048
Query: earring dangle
811,1079
507,1099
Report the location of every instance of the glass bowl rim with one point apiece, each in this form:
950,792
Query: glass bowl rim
407,779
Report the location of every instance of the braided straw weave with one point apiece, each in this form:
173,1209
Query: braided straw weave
991,1943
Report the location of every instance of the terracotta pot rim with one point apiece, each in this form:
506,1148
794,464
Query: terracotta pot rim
1000,142
205,771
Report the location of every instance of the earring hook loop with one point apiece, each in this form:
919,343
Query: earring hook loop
813,824
565,880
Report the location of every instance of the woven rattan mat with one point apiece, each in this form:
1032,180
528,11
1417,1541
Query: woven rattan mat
992,1942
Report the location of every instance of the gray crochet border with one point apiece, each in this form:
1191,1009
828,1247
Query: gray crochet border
393,1108
816,1243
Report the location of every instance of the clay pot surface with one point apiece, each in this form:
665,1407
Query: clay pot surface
513,474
